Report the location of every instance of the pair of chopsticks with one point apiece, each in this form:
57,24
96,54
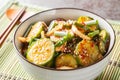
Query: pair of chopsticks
10,26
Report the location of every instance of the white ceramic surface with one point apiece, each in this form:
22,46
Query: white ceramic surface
40,73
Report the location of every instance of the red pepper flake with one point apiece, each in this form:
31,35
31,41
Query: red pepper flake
83,23
92,44
82,56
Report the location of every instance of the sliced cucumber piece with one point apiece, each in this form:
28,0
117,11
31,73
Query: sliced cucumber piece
66,60
102,47
36,30
87,53
104,35
40,52
52,62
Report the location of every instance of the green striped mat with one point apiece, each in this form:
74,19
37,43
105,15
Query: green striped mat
10,68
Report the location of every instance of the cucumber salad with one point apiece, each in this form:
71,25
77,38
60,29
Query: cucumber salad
65,44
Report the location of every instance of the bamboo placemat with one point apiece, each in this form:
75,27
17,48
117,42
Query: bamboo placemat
10,68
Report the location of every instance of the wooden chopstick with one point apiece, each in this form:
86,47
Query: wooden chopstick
4,35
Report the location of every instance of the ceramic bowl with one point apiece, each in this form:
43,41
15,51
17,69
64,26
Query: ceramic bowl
42,73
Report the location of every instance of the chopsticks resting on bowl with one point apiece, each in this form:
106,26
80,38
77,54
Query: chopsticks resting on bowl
10,26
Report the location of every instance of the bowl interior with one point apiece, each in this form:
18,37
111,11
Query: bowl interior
66,13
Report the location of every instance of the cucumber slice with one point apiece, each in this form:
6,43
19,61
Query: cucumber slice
36,30
104,41
41,51
66,60
102,47
104,35
87,53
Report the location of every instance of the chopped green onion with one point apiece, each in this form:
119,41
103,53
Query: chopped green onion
91,22
60,33
64,39
52,25
78,24
92,34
